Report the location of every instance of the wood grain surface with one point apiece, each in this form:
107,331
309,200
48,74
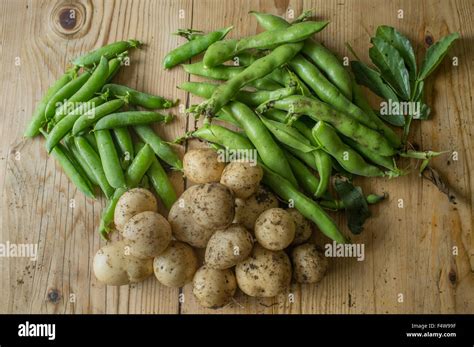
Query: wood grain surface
419,248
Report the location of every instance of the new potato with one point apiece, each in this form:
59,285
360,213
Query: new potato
303,229
214,288
248,210
309,264
113,265
148,234
242,177
132,202
176,265
201,165
228,247
212,205
265,273
275,229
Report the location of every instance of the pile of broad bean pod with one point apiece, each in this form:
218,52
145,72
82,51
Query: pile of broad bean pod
303,111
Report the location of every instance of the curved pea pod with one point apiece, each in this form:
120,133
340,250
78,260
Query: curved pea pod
94,164
38,119
197,45
139,166
260,68
71,146
64,93
348,158
305,177
115,64
288,135
137,98
161,148
71,169
88,89
161,183
319,55
223,136
124,142
271,154
107,218
224,73
123,119
108,51
222,51
256,98
344,124
64,126
306,206
110,160
92,116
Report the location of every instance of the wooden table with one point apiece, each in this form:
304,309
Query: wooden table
419,248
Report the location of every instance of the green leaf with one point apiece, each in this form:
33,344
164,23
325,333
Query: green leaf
391,66
371,79
355,204
402,45
418,91
395,119
425,112
435,55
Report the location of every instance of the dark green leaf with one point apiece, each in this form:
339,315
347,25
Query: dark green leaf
418,92
435,55
391,66
371,79
355,204
402,45
397,120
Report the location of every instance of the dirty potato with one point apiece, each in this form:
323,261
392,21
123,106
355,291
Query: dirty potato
228,247
202,165
247,211
265,273
275,229
176,265
242,177
132,202
309,264
303,227
212,206
214,288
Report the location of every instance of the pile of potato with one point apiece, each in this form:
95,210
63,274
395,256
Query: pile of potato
245,236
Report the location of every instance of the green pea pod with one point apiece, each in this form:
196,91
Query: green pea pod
260,68
139,98
92,141
386,162
189,34
107,219
92,116
361,101
139,166
161,183
63,94
224,73
348,158
319,55
161,148
193,47
88,89
38,119
323,163
345,124
256,98
108,51
306,206
288,135
225,137
71,169
110,160
65,125
261,138
94,163
124,142
82,108
115,64
71,146
305,177
222,51
123,119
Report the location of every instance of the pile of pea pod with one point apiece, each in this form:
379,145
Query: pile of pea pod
98,134
294,102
